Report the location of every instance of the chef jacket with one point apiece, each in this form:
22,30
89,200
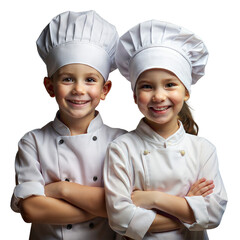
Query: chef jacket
143,160
51,154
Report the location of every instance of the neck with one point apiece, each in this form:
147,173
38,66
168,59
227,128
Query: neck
164,130
75,125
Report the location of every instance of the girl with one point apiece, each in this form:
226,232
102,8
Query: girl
149,171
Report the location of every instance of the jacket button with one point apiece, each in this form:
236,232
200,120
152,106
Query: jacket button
182,152
146,152
94,138
69,226
61,141
95,178
91,225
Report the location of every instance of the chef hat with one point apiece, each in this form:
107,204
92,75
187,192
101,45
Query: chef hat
78,37
156,44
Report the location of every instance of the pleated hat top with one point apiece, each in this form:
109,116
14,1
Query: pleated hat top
78,37
157,44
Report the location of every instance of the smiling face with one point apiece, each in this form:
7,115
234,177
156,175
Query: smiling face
78,89
160,95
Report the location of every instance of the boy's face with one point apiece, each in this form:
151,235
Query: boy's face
78,89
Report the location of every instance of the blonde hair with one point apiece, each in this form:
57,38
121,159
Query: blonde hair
185,116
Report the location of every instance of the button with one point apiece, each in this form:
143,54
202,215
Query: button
91,225
69,226
182,152
146,152
67,180
61,141
94,138
95,178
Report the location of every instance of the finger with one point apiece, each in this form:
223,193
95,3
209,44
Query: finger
200,181
207,193
203,190
195,186
203,185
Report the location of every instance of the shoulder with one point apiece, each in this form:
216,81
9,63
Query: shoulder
126,141
200,141
112,133
200,146
39,133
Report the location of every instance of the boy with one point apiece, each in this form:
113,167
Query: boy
67,154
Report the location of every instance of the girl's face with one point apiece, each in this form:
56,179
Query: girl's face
160,95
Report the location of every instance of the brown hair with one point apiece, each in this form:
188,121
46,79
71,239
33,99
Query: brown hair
185,116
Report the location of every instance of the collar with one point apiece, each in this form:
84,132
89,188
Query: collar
148,134
63,130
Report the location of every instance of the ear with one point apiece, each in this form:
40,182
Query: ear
48,83
187,96
135,98
106,88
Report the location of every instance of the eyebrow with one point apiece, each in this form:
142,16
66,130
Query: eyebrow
95,75
59,74
71,73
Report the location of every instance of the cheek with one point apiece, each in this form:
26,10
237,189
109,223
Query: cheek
95,92
142,102
142,99
177,97
60,92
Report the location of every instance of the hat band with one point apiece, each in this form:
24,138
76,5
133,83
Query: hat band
78,52
161,57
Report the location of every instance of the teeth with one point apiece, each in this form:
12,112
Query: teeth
161,108
78,102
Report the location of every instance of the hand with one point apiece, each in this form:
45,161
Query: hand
144,199
202,187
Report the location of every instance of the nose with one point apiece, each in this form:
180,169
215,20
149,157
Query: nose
159,95
78,88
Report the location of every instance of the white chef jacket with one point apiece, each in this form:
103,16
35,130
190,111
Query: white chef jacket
51,154
143,160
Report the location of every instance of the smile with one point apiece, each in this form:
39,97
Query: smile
160,109
78,102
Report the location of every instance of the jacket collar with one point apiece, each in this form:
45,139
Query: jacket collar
63,130
148,134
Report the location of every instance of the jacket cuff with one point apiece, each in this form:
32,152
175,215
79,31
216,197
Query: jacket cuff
25,190
200,212
140,223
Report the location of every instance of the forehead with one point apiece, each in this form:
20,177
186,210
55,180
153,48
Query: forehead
158,73
76,69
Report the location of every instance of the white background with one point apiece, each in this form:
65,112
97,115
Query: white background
25,105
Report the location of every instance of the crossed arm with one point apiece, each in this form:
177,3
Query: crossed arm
67,202
64,203
176,207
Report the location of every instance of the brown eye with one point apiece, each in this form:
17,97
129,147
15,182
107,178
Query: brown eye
67,80
90,80
169,85
146,86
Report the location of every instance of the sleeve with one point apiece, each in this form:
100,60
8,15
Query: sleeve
124,217
208,211
29,179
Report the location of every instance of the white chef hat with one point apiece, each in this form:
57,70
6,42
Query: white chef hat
78,37
157,44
